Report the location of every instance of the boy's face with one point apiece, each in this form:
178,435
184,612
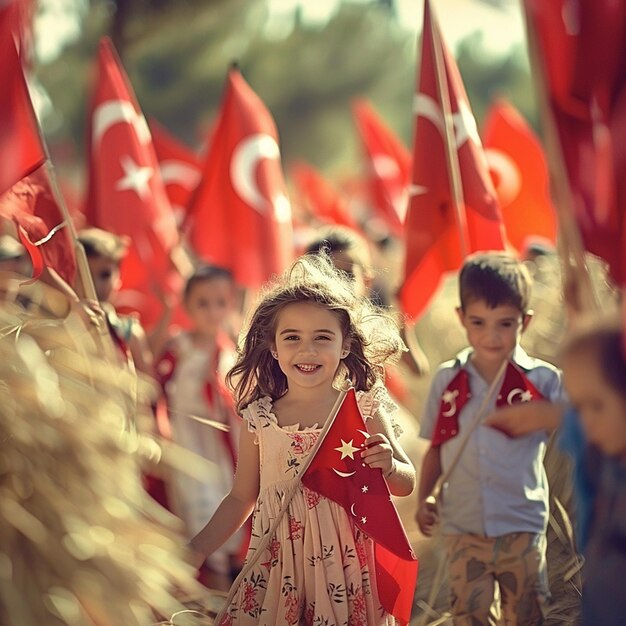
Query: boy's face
601,408
344,261
209,303
106,276
492,332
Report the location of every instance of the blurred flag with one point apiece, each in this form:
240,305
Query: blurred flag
180,169
320,198
388,166
580,54
32,206
126,194
520,174
21,149
337,473
449,216
240,216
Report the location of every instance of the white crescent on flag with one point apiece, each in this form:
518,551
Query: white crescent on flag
114,112
508,181
243,164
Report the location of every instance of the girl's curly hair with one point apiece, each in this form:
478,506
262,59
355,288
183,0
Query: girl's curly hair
372,335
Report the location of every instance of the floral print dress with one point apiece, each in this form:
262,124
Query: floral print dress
318,568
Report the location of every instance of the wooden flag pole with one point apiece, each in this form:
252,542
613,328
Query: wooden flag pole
570,243
452,156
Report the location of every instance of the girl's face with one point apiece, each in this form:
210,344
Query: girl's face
209,303
106,276
309,344
602,409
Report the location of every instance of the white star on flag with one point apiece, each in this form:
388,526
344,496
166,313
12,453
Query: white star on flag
346,449
526,396
135,177
364,488
364,520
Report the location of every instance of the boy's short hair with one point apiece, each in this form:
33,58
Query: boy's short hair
207,272
495,278
102,243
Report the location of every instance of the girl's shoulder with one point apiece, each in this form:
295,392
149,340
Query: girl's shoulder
376,402
259,413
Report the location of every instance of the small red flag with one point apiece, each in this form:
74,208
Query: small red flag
337,473
21,149
126,194
180,169
240,216
436,230
320,198
388,166
520,174
581,47
31,204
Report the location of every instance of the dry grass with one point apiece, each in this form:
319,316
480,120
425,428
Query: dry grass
80,541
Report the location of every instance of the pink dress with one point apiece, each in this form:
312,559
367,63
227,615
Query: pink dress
318,568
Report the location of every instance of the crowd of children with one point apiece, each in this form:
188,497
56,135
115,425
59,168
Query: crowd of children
254,406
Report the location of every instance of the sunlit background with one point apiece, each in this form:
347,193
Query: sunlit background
307,60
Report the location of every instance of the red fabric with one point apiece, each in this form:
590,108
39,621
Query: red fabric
519,171
432,229
515,388
363,493
126,194
239,216
31,204
180,169
582,50
21,149
388,166
320,198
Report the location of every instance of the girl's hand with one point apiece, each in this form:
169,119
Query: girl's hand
377,452
426,517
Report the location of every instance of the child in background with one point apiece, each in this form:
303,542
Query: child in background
350,253
191,371
307,336
105,251
494,501
594,374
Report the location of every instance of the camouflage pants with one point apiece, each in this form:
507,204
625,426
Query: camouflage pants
513,566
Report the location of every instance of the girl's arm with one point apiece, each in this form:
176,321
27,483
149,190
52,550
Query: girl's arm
426,510
238,504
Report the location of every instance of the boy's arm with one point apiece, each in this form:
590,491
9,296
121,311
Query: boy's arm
524,418
426,510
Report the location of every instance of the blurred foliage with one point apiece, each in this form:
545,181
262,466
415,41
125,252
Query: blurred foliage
177,54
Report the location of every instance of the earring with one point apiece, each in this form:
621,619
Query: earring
274,354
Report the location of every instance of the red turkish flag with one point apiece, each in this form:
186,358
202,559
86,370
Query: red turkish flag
581,47
520,175
320,198
239,216
388,166
21,149
336,472
126,194
31,205
435,230
180,169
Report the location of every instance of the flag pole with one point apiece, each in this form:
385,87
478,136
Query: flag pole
570,245
452,156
